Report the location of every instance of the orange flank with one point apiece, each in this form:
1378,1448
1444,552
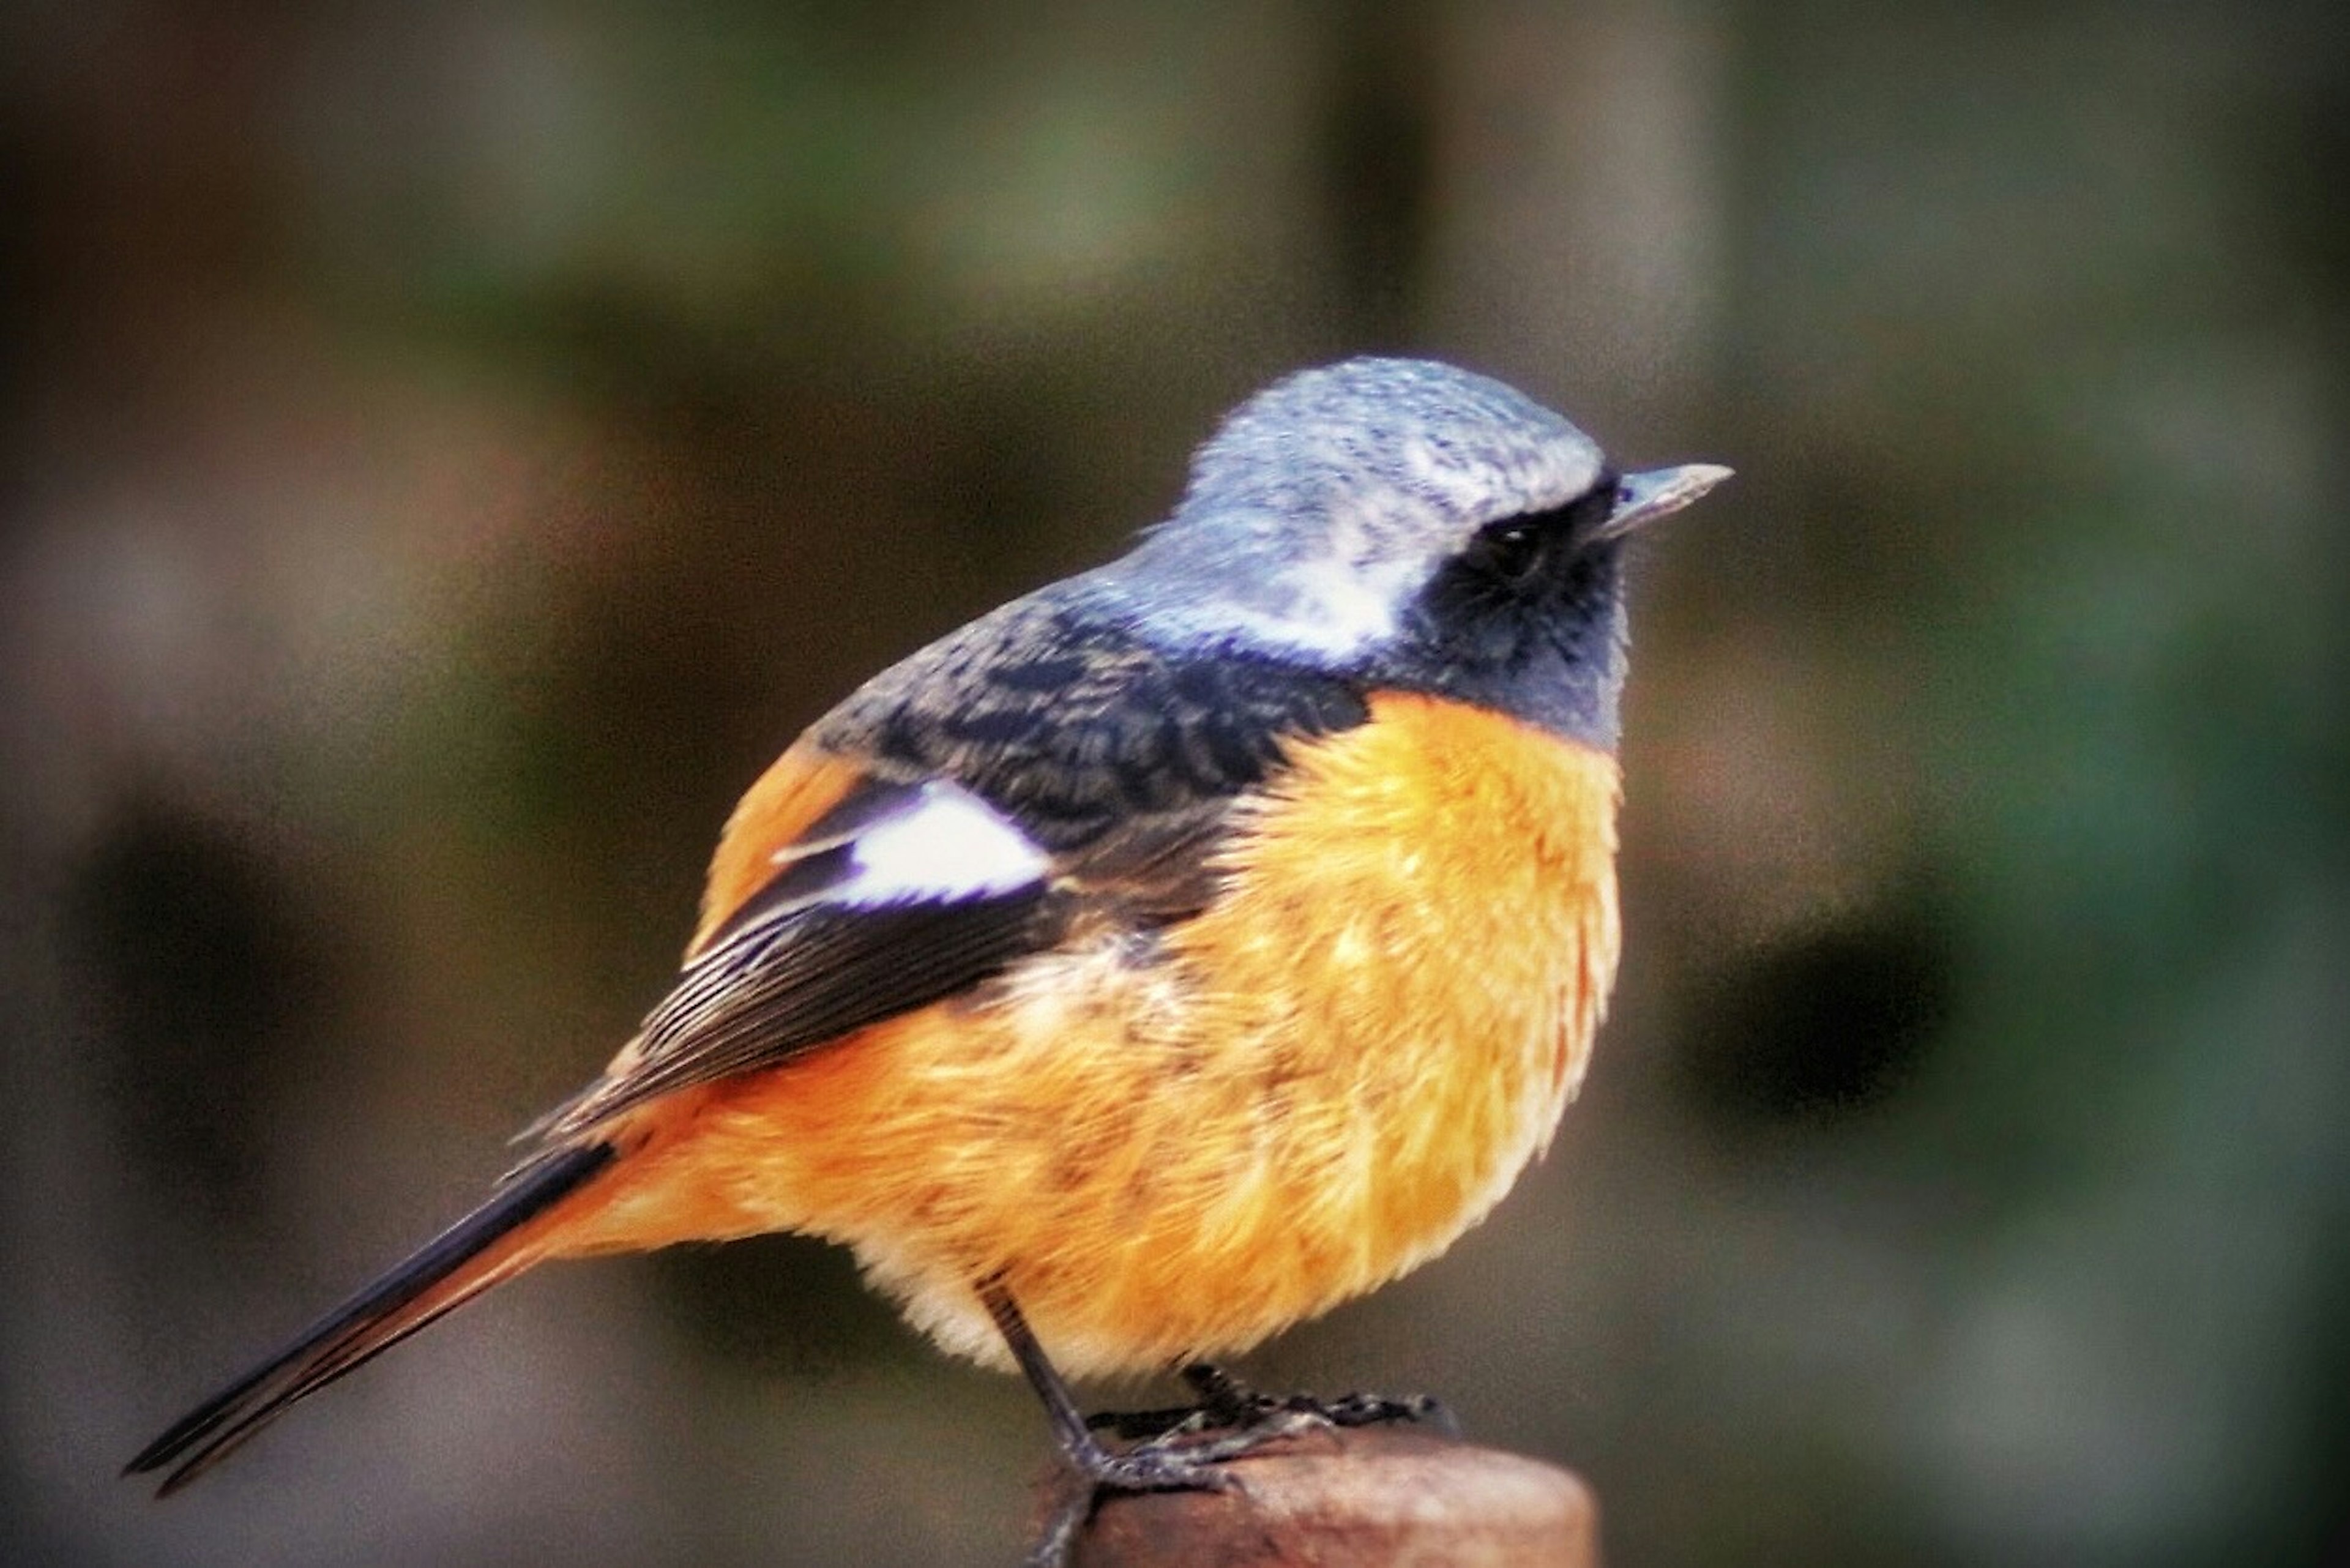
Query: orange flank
1175,1147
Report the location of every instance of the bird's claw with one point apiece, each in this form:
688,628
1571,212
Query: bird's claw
1185,1448
1380,1410
1165,1462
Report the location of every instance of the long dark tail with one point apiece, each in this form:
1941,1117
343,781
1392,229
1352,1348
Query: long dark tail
487,1246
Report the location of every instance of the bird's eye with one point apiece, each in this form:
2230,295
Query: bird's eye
1511,551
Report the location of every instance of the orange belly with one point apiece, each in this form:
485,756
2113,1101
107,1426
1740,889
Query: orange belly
1317,1084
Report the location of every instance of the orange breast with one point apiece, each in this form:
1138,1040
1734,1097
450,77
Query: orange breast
1315,1085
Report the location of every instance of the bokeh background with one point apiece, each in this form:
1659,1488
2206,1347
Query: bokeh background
445,450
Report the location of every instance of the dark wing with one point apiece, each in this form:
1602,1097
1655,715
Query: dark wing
898,897
1038,768
1107,749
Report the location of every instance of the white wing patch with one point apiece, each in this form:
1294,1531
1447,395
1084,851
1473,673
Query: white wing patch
943,844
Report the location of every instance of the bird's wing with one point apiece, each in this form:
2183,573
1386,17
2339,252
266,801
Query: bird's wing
896,894
915,846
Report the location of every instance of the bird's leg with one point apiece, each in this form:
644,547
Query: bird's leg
1228,1401
1093,1468
1225,1401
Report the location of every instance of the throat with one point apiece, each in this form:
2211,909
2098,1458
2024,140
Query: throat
1562,688
1548,652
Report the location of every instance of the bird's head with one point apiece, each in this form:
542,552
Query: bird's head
1417,526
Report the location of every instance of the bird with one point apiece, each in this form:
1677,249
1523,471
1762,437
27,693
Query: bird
1161,959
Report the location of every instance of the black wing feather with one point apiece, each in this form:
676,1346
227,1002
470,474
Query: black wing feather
782,989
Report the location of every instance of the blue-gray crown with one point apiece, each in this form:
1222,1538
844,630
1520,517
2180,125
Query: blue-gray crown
1325,502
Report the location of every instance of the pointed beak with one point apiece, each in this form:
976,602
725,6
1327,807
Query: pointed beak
1642,498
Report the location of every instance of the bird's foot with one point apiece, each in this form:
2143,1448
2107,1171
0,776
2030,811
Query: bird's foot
1184,1447
1227,1403
1173,1459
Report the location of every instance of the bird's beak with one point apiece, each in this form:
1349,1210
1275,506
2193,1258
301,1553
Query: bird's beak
1642,498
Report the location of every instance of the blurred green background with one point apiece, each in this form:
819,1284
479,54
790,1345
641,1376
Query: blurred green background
450,449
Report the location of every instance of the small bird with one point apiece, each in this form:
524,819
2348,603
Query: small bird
1157,962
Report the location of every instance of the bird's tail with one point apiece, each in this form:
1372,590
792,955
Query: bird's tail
493,1243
